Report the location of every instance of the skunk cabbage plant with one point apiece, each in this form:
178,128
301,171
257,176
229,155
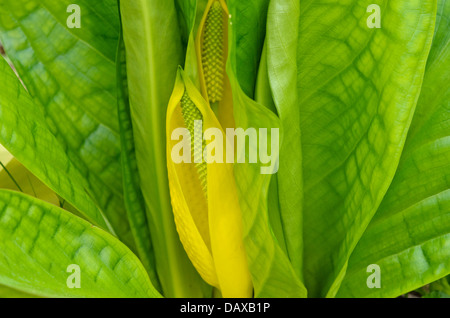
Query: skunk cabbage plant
224,148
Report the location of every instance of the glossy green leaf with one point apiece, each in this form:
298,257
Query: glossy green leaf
41,241
134,200
409,237
283,18
70,73
23,131
357,88
272,272
263,95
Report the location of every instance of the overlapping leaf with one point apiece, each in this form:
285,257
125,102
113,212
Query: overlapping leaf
23,131
272,272
134,200
281,68
358,89
70,73
409,237
30,228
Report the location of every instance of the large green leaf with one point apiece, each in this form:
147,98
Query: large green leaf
154,51
70,73
357,90
263,95
134,200
23,132
409,237
283,18
40,241
272,272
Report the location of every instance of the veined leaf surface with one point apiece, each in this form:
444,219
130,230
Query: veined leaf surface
358,89
40,242
409,237
70,73
23,131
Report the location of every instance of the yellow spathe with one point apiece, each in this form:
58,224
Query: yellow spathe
210,227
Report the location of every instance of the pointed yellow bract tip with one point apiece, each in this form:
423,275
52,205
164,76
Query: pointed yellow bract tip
213,52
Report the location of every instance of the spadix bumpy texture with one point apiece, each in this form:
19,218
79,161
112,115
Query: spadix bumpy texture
212,53
191,114
188,200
